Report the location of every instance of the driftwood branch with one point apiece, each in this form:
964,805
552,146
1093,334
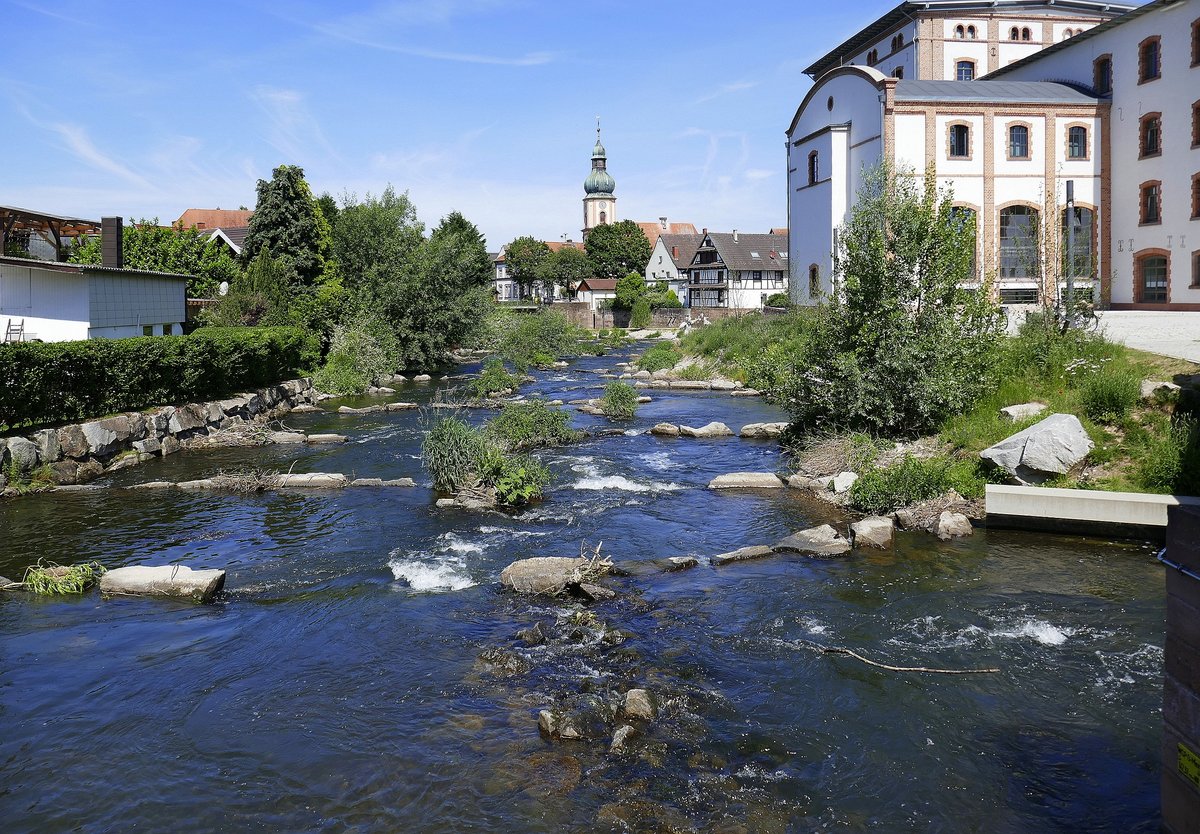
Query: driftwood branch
819,649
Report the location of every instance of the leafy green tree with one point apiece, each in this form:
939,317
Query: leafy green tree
900,345
525,257
566,268
149,246
329,209
375,244
618,248
629,291
260,296
289,224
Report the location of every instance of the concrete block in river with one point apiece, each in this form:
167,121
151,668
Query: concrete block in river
176,581
713,429
316,480
816,541
327,438
746,480
287,437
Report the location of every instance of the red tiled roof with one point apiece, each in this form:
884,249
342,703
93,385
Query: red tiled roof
654,229
597,284
214,218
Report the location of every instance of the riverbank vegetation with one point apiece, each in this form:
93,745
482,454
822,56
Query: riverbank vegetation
902,351
533,424
463,459
620,400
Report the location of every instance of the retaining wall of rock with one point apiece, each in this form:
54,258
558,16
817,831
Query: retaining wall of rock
82,451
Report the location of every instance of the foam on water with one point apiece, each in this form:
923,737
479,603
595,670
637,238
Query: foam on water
658,461
421,576
620,482
928,631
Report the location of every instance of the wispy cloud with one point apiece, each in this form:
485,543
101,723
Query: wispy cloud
403,18
78,20
81,145
726,89
291,127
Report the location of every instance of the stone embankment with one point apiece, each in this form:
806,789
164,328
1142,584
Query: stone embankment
82,451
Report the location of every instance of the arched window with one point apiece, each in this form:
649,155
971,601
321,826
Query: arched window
898,72
814,281
971,35
960,32
1018,242
1152,272
1102,75
812,168
1014,34
1149,63
1080,259
1018,142
898,43
964,71
872,57
603,217
1150,203
1067,33
1077,142
1026,35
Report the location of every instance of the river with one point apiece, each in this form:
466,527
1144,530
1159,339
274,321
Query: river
337,683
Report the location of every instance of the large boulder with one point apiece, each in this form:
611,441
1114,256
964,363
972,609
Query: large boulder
22,453
713,429
188,418
816,541
106,437
746,480
953,525
163,581
542,574
49,449
72,442
755,431
665,430
1051,447
842,482
874,531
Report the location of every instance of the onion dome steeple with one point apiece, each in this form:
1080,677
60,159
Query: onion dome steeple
599,181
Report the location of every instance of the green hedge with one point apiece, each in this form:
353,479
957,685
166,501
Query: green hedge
68,381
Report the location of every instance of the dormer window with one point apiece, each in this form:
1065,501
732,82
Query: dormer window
754,255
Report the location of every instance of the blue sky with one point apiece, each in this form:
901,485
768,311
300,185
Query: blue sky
484,106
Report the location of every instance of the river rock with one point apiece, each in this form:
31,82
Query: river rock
1158,390
874,531
953,525
805,482
163,580
722,385
816,541
621,738
588,720
187,418
642,375
381,389
674,563
380,482
842,482
755,431
399,406
1017,413
49,449
315,480
690,384
305,408
285,437
745,392
713,429
535,635
596,593
72,441
170,445
742,554
1051,447
746,480
542,574
149,446
326,438
639,704
422,378
370,409
665,430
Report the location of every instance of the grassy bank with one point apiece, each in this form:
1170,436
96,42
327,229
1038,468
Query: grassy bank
1140,446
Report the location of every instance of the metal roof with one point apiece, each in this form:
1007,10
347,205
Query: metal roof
1022,92
79,269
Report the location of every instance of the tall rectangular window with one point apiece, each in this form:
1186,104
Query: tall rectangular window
1152,279
1151,144
965,70
1102,75
1018,142
1077,143
1151,203
960,141
1149,60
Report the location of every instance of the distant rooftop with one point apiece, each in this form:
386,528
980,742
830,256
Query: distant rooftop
1024,92
214,218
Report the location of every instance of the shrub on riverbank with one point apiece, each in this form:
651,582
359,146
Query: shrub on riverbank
537,338
360,354
912,480
461,457
528,425
494,379
761,351
620,400
659,357
71,381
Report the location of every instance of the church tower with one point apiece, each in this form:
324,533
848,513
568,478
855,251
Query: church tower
599,204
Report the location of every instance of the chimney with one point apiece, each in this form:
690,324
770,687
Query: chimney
674,251
111,253
662,221
735,235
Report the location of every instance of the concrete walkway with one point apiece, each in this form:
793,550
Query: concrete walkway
1166,333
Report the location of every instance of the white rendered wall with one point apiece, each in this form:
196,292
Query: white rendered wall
54,305
888,61
1172,95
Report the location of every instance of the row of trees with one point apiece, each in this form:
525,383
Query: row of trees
614,250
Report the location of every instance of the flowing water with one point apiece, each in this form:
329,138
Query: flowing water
338,683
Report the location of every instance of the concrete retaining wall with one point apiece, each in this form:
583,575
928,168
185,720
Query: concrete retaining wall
1181,676
1081,510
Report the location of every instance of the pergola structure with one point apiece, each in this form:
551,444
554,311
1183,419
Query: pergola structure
51,228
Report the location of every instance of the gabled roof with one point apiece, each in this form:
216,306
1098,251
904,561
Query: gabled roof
905,12
235,237
1022,92
214,218
685,245
779,230
750,252
652,231
597,285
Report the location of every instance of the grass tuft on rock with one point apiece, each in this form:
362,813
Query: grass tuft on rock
620,401
533,424
50,579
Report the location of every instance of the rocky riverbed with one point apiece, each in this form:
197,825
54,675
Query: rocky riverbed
364,667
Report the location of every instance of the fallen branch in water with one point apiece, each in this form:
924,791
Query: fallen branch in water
819,649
